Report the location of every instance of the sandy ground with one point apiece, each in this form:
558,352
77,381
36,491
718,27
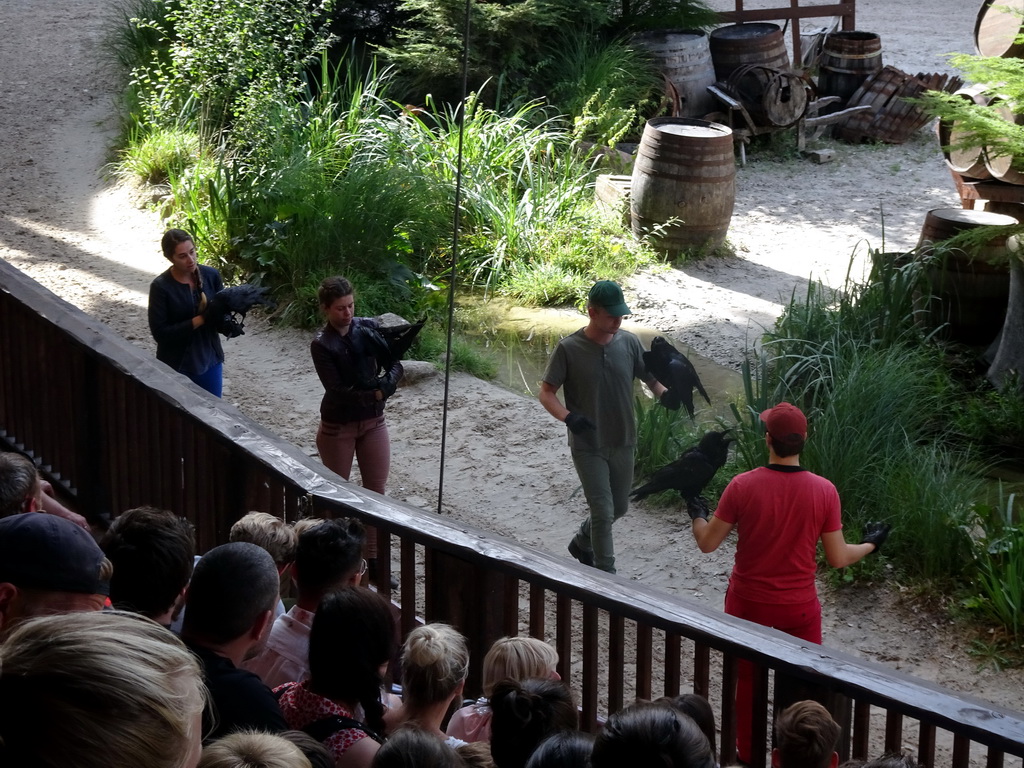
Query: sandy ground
507,466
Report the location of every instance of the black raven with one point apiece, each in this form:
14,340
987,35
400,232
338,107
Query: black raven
229,307
692,471
400,337
670,367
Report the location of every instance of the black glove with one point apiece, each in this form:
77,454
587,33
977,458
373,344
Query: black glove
697,507
215,310
670,399
231,328
388,383
876,533
578,423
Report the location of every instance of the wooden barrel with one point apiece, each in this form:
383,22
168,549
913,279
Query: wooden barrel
684,185
684,57
969,288
738,45
1001,166
771,97
997,27
969,162
847,60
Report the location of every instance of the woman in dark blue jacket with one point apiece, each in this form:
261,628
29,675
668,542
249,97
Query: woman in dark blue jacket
179,316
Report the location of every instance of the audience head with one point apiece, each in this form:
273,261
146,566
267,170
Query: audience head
271,533
524,714
48,565
892,760
354,626
651,734
564,749
98,690
328,556
476,754
253,749
20,489
316,752
152,551
806,737
231,596
435,662
411,747
518,658
699,709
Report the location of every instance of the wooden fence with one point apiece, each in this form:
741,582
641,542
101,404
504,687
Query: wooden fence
113,429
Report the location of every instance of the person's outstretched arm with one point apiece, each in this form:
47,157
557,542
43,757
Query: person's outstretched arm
709,534
840,553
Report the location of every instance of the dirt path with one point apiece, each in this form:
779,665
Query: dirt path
508,468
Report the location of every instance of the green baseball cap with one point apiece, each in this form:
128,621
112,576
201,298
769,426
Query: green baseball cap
608,296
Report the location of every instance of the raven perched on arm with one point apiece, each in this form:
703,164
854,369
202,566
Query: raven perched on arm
670,367
229,307
692,471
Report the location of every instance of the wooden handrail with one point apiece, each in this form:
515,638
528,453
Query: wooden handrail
126,431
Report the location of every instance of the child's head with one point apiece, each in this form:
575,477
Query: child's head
253,749
268,532
518,658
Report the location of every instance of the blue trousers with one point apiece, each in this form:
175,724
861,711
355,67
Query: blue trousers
212,380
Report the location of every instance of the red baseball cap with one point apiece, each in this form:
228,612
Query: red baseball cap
784,421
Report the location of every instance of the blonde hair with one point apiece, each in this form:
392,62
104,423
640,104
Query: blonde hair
517,658
271,533
435,660
307,524
111,689
253,749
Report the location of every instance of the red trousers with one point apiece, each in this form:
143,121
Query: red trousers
801,620
368,442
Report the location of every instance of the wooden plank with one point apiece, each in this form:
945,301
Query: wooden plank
861,730
407,576
673,665
727,752
644,660
616,661
893,731
961,751
702,670
926,744
538,597
563,636
759,745
589,683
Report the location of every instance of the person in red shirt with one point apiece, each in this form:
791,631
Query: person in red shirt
780,512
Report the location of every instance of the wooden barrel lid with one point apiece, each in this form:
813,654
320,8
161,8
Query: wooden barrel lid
998,25
745,31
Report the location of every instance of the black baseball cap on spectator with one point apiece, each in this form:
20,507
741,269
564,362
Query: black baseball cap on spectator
40,551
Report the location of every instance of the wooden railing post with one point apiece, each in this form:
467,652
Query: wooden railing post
469,598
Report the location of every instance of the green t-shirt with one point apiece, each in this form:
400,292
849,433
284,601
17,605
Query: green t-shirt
597,381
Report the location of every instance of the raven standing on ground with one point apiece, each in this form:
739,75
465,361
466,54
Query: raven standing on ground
670,367
692,471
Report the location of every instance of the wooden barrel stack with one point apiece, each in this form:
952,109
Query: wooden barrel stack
989,172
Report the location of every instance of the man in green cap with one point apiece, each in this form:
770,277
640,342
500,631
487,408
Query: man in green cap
597,365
